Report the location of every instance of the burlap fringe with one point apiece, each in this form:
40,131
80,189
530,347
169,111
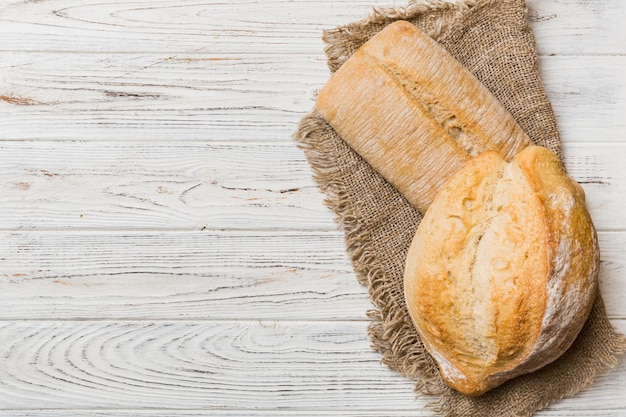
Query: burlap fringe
391,330
336,38
313,138
416,7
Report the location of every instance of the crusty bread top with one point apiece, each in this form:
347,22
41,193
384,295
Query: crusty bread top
414,113
446,90
374,114
502,271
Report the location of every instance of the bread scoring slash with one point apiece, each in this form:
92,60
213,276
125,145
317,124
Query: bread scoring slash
502,272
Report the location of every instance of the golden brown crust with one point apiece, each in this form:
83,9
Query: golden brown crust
415,113
502,271
453,96
379,121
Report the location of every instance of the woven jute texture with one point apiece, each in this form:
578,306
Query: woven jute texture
493,40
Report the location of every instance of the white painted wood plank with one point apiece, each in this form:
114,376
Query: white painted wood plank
563,27
214,276
212,97
191,186
202,97
578,27
227,365
175,26
277,293
612,277
600,169
153,82
588,95
204,276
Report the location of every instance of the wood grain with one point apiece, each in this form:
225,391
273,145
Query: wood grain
183,186
278,27
578,27
205,275
588,95
226,365
204,97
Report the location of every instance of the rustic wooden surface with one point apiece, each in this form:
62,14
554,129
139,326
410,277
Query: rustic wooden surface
163,249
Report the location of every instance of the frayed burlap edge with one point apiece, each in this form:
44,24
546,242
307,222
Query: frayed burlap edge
360,31
391,329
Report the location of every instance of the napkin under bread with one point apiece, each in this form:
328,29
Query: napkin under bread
493,41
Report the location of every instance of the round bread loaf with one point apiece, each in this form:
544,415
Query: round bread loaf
502,272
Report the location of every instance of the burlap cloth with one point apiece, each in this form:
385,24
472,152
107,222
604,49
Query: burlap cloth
493,40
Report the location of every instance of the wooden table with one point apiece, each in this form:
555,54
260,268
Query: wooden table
164,250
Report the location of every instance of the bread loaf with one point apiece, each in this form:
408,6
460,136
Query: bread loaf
502,272
414,113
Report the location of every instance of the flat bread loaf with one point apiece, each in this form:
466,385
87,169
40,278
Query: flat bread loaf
502,272
414,113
